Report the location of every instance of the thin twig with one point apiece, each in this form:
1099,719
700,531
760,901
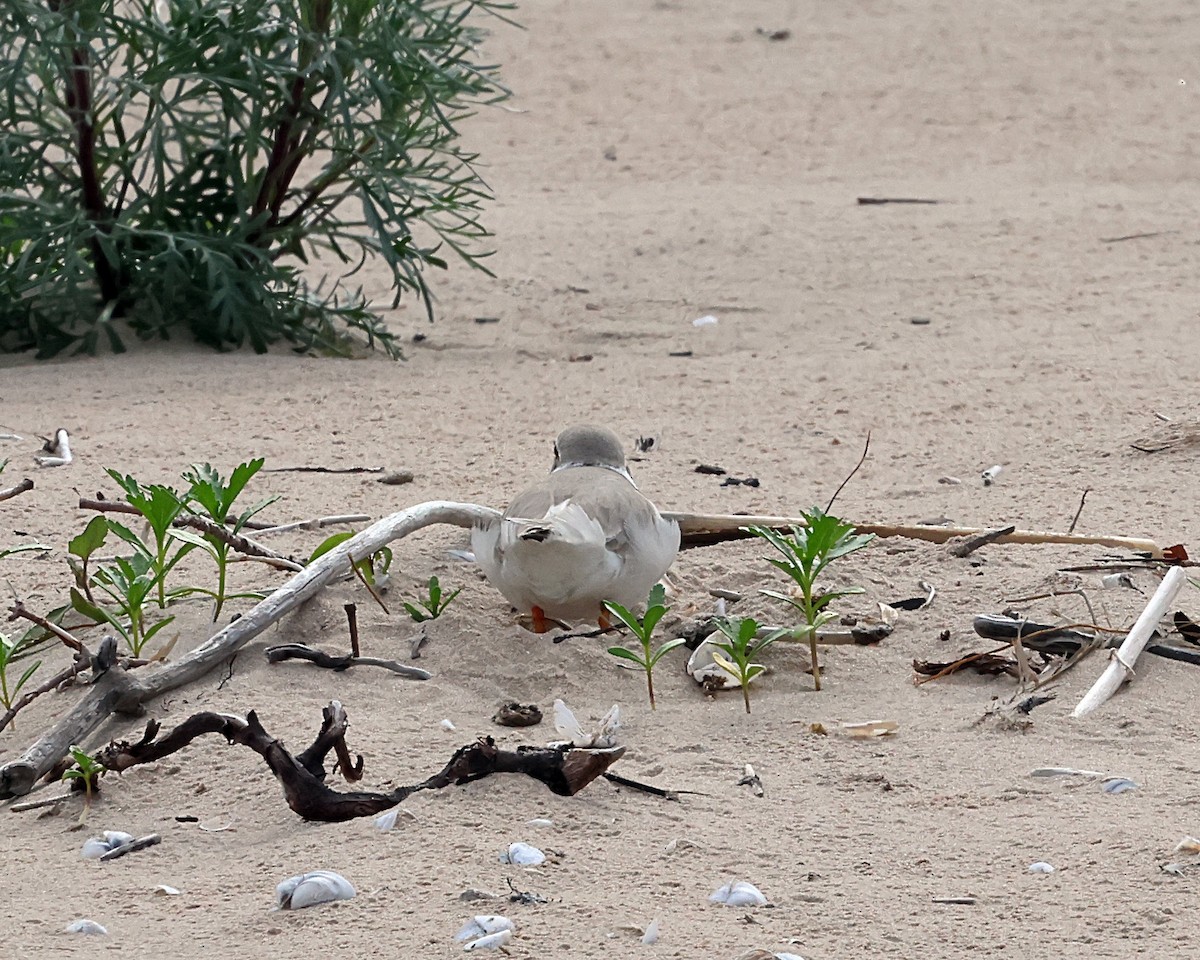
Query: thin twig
300,651
352,622
968,547
38,804
370,589
23,487
857,466
323,470
204,525
1082,500
316,524
19,611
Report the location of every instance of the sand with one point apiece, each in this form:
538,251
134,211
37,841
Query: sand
670,163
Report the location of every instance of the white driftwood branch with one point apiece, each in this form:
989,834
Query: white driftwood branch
121,691
702,523
1123,659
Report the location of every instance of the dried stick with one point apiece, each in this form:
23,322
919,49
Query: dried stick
19,611
850,475
316,524
565,770
701,529
238,542
1121,666
352,624
1082,501
118,690
968,547
299,651
23,487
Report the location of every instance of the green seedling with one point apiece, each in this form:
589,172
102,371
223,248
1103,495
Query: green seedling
83,546
160,506
643,629
128,584
740,646
433,605
9,688
373,569
217,497
805,556
87,770
23,548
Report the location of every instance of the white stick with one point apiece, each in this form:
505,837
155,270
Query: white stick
1121,666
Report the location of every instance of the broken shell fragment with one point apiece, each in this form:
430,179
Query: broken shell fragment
572,731
1187,845
990,474
738,893
1040,866
166,890
85,926
1118,785
523,855
650,937
482,925
310,889
96,847
491,942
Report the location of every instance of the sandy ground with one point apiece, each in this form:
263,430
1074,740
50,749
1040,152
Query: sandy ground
672,162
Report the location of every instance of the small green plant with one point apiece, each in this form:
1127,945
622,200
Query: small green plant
740,646
373,569
9,688
87,770
805,556
217,497
160,506
83,546
433,605
643,629
128,584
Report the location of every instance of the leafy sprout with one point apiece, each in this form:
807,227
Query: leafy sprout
160,506
127,584
87,771
433,604
805,556
740,646
216,498
10,687
643,630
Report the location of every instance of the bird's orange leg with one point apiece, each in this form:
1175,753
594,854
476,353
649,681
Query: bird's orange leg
604,620
540,623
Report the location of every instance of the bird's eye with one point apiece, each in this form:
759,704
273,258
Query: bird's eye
556,451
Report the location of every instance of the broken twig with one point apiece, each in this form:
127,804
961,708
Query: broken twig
1121,667
15,491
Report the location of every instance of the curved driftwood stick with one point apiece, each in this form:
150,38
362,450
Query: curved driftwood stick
565,770
119,691
1120,668
701,529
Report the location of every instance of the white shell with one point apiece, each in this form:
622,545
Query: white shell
523,855
309,889
85,926
1187,845
165,890
491,941
1041,866
738,893
96,847
1118,785
704,669
483,924
706,321
539,822
570,729
651,935
448,726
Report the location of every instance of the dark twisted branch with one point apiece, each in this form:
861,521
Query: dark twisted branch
565,770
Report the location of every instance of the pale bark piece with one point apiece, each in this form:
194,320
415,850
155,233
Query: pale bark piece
701,528
1121,666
